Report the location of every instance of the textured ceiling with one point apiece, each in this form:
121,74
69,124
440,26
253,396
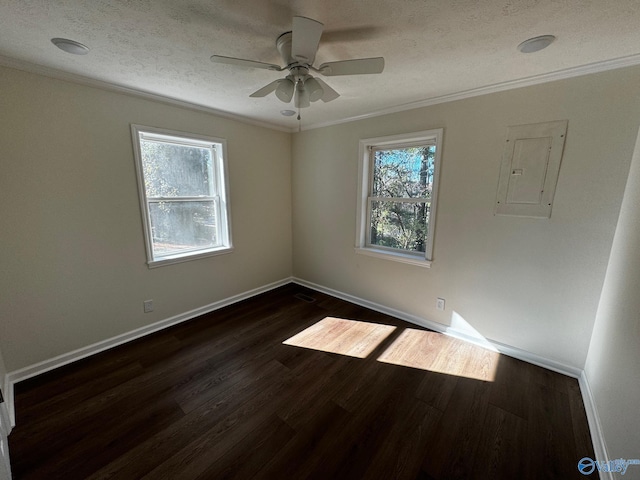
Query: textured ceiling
432,48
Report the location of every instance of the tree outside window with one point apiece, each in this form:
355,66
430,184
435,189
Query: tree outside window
183,195
401,197
396,209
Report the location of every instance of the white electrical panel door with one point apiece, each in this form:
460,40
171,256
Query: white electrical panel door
529,170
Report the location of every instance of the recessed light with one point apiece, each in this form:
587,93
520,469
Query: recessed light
70,46
536,44
288,113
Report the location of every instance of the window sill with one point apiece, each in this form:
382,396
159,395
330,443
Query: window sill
396,257
188,257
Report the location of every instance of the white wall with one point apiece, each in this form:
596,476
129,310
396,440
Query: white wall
530,283
73,266
613,363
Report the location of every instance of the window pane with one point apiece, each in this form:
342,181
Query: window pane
180,226
403,172
400,225
176,170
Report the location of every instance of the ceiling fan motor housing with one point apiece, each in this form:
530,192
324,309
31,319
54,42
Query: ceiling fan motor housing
298,74
283,44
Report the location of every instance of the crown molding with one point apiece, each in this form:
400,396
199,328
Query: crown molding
112,87
596,67
571,72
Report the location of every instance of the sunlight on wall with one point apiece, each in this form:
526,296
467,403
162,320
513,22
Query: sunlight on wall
413,348
346,337
461,328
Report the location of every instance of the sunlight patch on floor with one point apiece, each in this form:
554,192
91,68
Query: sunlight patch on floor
346,337
442,354
414,348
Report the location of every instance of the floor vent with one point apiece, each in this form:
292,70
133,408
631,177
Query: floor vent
304,298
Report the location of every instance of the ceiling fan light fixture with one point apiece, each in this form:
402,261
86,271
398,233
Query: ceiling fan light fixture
302,98
70,46
314,88
536,44
285,89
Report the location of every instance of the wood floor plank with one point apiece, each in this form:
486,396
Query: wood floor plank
436,389
96,447
55,433
302,453
402,449
460,431
250,454
59,400
511,392
269,388
215,416
551,440
370,429
500,452
312,391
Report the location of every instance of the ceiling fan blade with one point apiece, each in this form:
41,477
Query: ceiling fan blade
329,93
358,66
244,63
267,89
306,35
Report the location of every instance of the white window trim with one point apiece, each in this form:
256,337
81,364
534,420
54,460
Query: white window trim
364,177
222,195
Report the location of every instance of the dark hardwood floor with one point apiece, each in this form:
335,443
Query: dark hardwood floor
222,396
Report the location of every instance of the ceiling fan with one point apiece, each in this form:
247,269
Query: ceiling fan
298,51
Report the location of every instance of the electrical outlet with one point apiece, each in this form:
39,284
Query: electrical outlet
148,306
440,304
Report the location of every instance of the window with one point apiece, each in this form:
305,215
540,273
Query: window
183,194
397,196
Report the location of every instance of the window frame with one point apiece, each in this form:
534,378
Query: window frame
219,192
365,185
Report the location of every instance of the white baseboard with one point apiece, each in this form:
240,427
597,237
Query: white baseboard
508,350
595,427
41,367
